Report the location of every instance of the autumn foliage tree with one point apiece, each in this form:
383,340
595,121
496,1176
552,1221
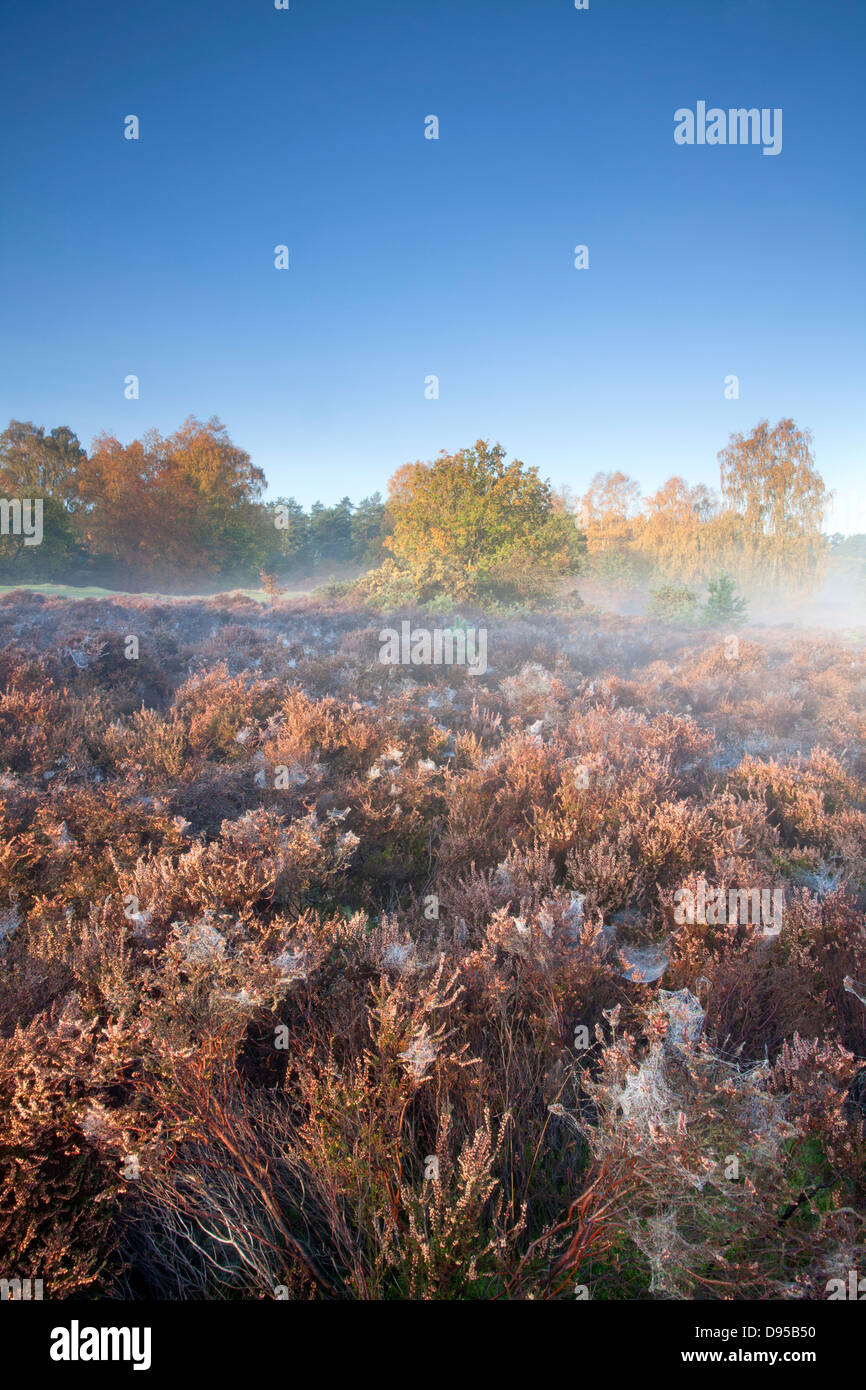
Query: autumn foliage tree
40,464
765,524
177,510
607,510
676,531
470,524
609,513
187,508
182,504
770,482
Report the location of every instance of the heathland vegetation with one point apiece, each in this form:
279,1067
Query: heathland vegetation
333,979
333,967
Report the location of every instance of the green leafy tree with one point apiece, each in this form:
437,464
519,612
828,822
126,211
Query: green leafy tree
723,604
368,523
330,531
470,524
289,543
673,603
45,467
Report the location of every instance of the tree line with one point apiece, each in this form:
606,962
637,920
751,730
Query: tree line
188,507
765,523
471,524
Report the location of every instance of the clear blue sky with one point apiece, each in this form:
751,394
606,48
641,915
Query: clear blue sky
455,257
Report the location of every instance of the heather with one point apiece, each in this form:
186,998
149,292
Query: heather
324,978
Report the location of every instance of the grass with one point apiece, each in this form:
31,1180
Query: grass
79,591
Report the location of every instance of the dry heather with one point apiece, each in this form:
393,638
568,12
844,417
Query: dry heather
327,979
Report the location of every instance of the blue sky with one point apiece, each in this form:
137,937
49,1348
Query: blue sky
454,257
